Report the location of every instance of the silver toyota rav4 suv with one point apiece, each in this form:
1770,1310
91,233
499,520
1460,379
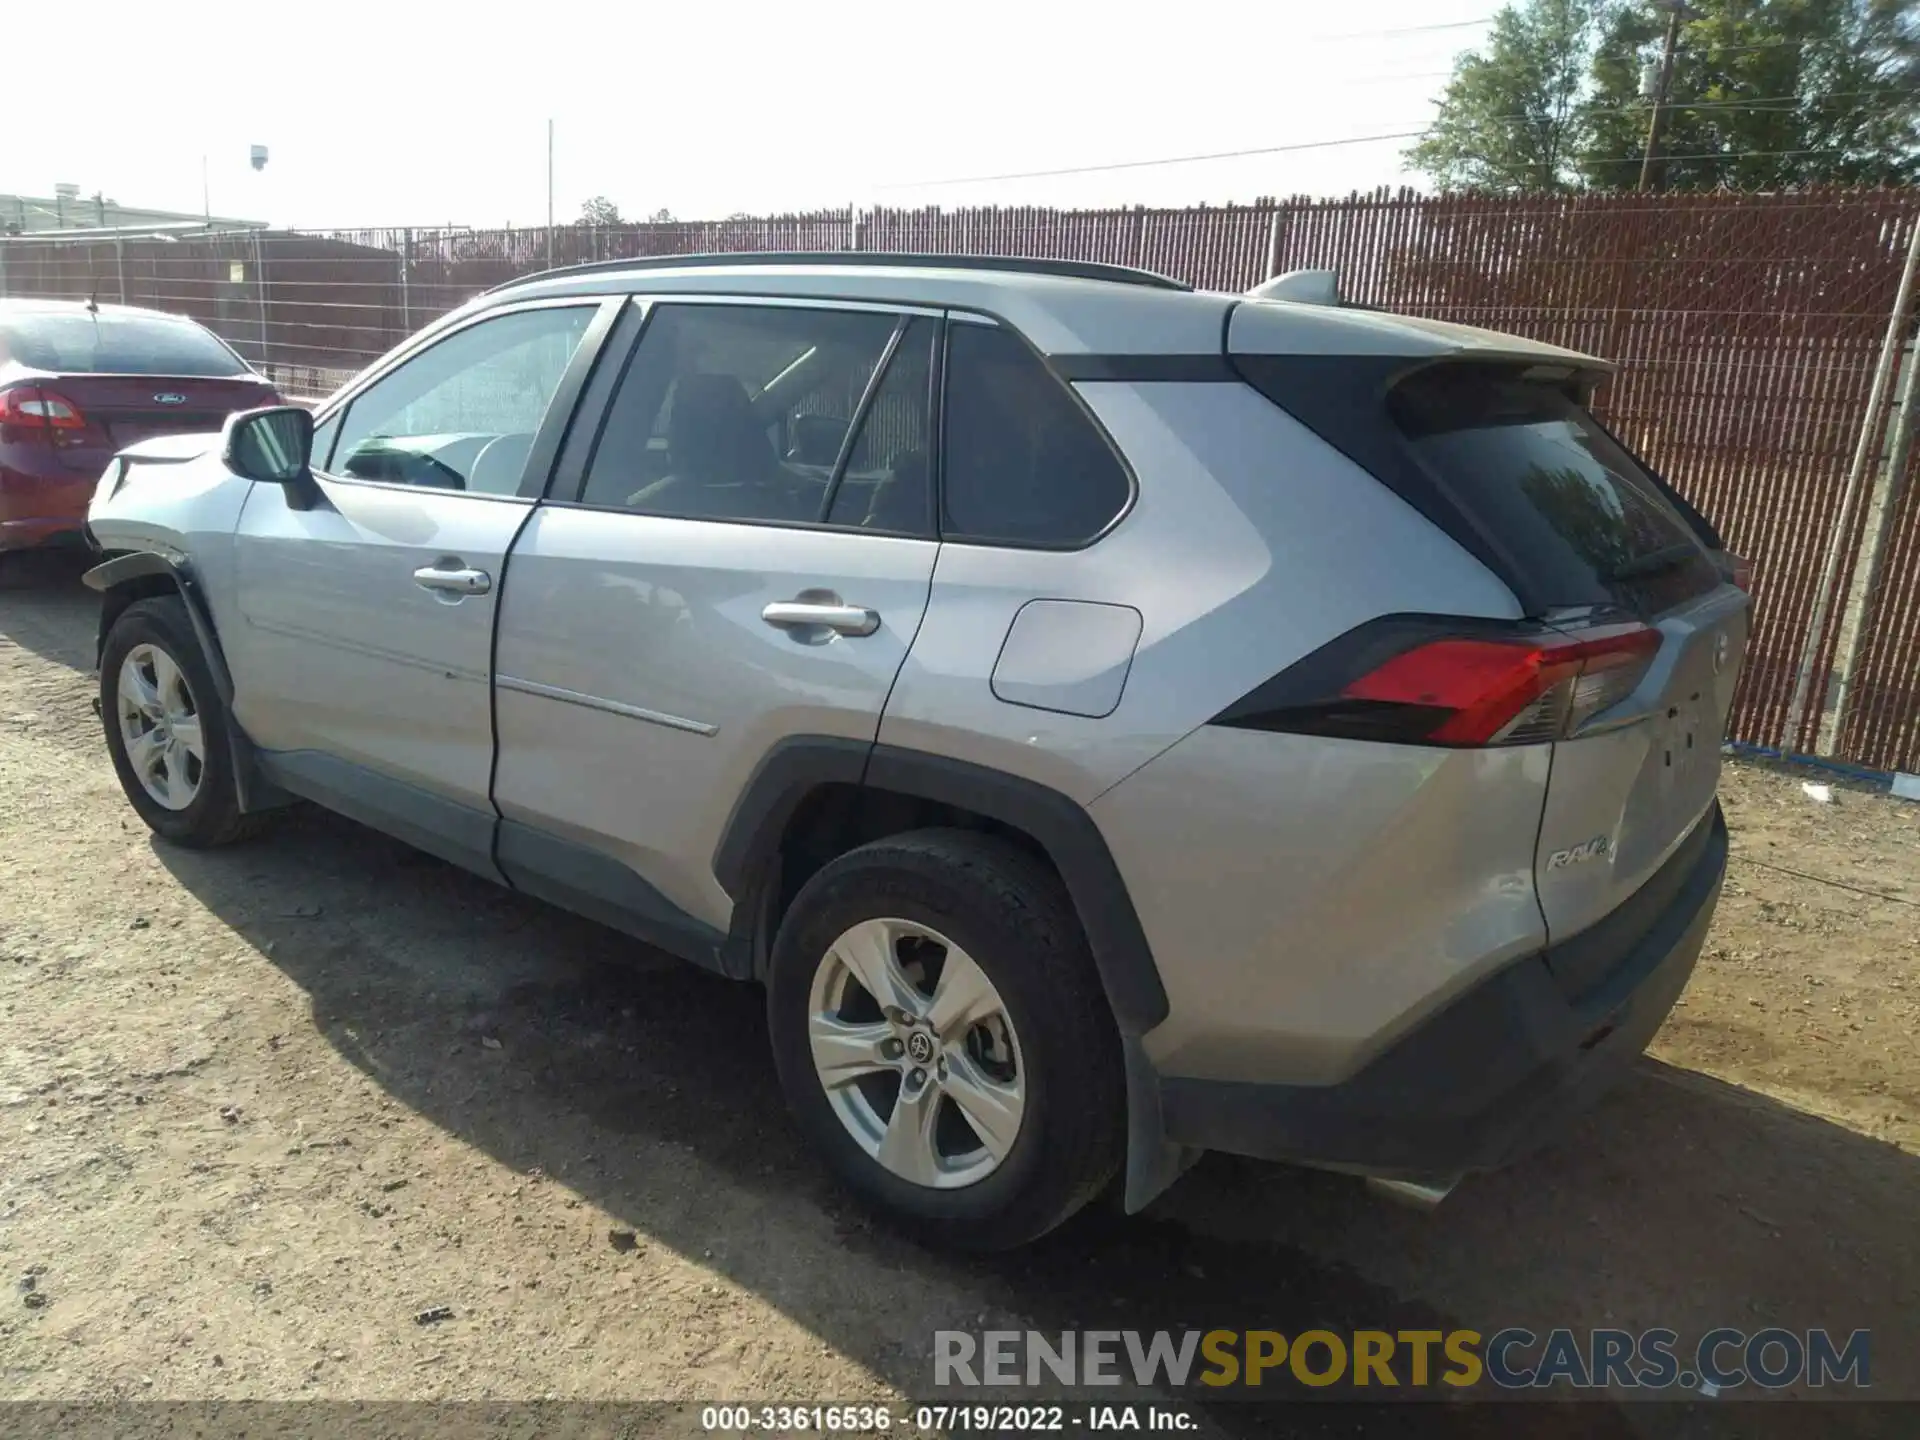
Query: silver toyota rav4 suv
1114,721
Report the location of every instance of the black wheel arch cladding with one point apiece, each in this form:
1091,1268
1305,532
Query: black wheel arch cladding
212,815
1062,828
128,578
143,574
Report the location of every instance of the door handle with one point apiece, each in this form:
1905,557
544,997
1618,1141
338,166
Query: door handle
807,614
452,581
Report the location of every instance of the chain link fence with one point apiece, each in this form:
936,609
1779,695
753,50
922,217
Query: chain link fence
1750,331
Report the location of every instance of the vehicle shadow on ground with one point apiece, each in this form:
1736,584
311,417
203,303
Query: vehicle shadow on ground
44,607
1683,1202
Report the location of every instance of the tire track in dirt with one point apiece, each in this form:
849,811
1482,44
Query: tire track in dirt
265,1104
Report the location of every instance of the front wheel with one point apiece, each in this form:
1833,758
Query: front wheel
166,727
940,1033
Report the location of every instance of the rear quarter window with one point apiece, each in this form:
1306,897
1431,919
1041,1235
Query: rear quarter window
1537,472
1023,463
1511,466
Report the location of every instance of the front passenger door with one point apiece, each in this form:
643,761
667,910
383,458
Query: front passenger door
364,668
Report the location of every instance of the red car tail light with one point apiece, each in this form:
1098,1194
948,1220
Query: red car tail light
1410,682
39,410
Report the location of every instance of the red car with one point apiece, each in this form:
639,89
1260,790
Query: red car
80,381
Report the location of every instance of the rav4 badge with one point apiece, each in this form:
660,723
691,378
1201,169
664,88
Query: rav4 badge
1560,859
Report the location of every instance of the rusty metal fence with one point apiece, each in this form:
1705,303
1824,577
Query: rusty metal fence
1749,330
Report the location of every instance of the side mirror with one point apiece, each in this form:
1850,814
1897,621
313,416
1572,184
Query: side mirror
274,446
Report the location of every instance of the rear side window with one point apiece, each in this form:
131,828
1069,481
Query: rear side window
1548,485
1024,464
744,413
78,343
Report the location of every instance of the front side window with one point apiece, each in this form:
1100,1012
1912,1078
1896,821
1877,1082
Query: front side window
462,414
745,412
1024,463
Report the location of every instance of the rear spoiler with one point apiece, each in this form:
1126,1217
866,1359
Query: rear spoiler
1302,287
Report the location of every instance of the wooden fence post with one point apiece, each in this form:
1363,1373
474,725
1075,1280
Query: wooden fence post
1856,618
1823,596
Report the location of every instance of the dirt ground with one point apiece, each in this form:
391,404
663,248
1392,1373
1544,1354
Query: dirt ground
262,1108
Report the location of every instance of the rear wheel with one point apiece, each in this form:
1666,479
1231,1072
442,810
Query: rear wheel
166,727
941,1034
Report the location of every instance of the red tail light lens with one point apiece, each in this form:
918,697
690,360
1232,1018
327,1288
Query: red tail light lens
1466,689
39,409
1740,571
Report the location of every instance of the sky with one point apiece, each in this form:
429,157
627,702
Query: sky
404,113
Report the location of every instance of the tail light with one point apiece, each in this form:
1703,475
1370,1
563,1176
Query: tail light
1409,681
39,409
1740,572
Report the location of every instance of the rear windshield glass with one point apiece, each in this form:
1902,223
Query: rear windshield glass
1548,485
76,343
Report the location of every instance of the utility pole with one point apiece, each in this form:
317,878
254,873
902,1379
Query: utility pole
549,194
1676,10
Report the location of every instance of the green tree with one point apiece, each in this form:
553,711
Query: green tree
1512,117
599,211
1765,94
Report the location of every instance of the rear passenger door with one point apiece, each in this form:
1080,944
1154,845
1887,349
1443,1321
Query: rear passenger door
741,553
1036,609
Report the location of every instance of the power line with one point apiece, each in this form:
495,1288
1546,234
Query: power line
1407,30
1780,104
1753,102
1707,50
1720,155
1386,79
1761,103
1148,164
1698,50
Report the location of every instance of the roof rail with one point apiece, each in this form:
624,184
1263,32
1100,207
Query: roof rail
1023,265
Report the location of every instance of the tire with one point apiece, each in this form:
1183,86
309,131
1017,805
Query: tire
1052,1039
159,627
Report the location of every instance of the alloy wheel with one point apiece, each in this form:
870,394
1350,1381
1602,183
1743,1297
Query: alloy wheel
160,725
917,1053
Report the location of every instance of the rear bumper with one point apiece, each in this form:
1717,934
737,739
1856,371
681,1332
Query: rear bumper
40,509
41,530
1502,1068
